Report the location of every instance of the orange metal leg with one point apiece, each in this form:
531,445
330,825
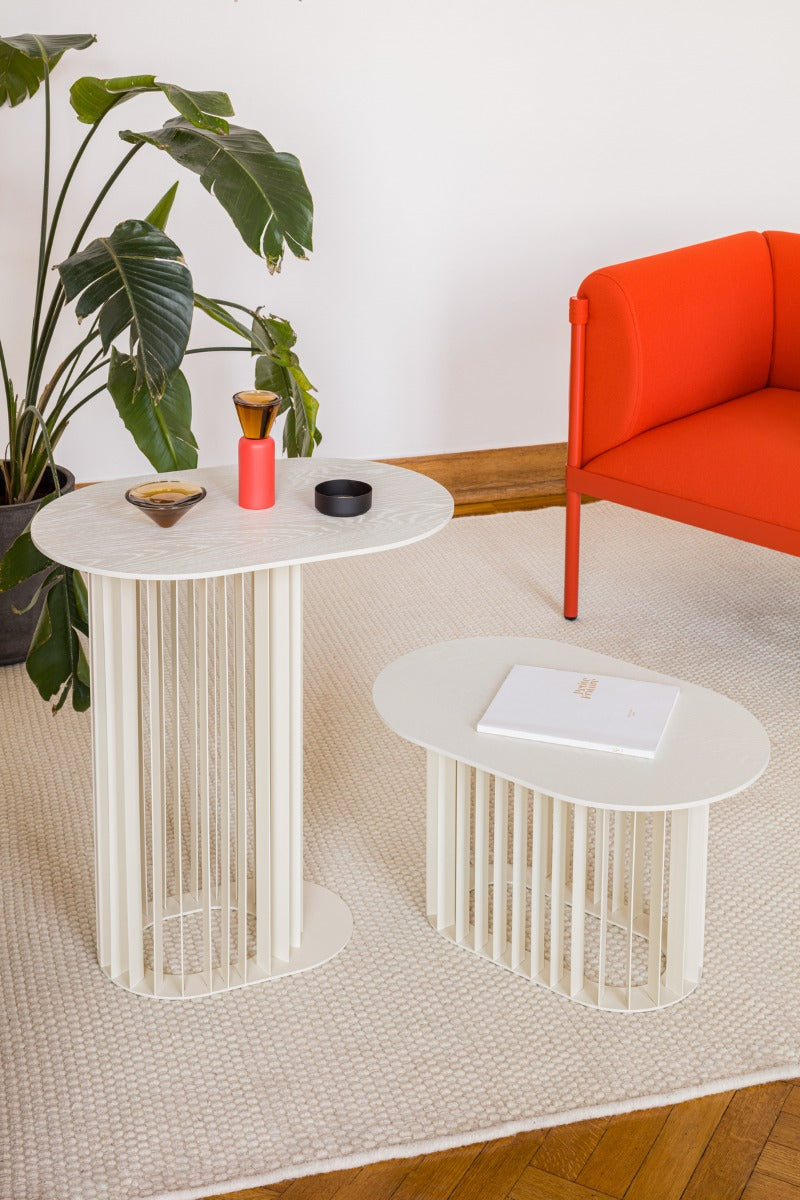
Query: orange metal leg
572,555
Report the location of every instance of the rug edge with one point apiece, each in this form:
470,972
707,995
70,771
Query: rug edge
491,1133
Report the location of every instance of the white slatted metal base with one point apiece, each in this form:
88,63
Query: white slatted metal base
582,870
198,785
606,907
196,650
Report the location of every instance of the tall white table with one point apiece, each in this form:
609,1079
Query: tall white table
520,831
196,653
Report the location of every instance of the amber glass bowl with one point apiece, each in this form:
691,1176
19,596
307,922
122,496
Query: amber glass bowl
256,412
165,500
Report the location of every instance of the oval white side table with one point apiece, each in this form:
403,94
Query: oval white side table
520,831
196,651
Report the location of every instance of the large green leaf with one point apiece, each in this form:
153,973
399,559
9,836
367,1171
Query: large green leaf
24,59
279,371
159,215
56,660
81,595
22,560
138,280
263,192
161,431
255,334
92,98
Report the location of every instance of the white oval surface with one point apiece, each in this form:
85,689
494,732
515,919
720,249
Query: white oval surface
95,529
712,747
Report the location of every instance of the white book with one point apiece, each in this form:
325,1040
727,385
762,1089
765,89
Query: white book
580,708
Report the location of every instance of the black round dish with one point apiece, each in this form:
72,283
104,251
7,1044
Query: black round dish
343,497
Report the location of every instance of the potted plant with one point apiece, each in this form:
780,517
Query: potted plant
136,296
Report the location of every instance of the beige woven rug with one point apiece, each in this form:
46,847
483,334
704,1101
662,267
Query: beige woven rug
403,1043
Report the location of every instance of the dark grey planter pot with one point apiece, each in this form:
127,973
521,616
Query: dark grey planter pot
16,630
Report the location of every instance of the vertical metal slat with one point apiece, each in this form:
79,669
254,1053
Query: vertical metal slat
157,797
241,714
280,751
204,788
519,875
557,894
177,820
500,868
538,882
481,859
431,853
618,876
462,850
656,919
674,978
262,849
633,883
101,763
446,844
296,751
578,928
601,966
192,588
224,776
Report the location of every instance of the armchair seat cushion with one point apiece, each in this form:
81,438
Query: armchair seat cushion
740,456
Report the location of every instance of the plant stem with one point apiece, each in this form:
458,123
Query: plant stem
11,408
53,313
106,188
89,337
91,367
58,300
65,420
7,465
36,416
217,349
40,273
62,195
68,180
232,304
30,432
43,456
47,392
33,455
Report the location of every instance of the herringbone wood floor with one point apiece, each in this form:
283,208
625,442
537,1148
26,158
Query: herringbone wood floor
742,1145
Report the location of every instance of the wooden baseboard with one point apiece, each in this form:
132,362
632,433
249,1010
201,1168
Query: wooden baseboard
492,481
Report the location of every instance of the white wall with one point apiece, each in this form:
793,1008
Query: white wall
470,161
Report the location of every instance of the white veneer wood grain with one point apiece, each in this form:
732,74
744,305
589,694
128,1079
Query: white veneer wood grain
96,530
712,747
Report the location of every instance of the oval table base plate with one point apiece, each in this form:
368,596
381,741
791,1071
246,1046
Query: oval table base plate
327,928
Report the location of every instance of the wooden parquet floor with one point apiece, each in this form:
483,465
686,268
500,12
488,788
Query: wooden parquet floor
742,1145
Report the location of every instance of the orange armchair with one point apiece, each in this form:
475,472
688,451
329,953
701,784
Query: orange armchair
685,391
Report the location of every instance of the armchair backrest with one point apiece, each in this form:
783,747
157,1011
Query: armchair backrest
784,249
678,332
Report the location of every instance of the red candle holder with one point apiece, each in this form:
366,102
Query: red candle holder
257,412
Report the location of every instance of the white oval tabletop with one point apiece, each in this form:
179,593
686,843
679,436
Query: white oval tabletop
95,529
711,748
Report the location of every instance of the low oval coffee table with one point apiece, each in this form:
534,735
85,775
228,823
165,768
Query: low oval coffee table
520,831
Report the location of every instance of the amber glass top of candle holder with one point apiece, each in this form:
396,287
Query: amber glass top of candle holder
165,500
257,412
